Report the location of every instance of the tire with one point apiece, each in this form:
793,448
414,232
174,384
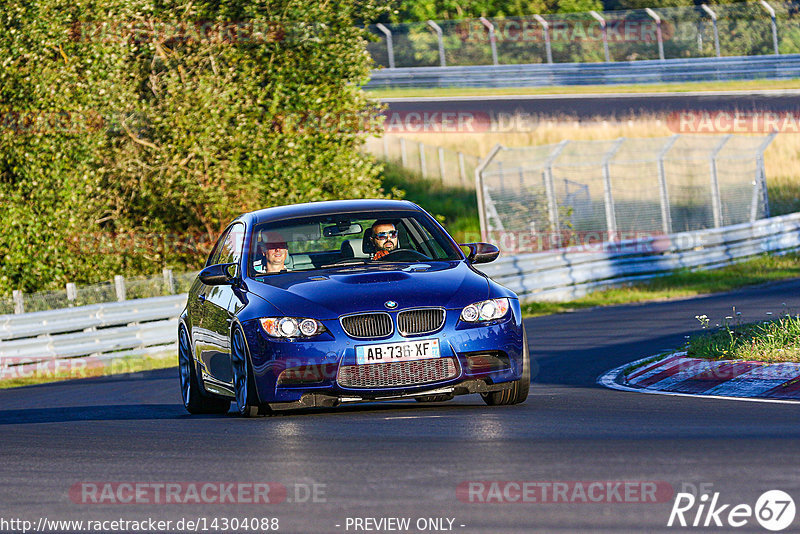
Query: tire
244,383
518,392
435,398
193,399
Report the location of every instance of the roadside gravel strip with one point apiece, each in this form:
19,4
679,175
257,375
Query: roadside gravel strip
676,374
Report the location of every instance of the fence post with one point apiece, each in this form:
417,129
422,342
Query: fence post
716,201
422,166
441,164
666,214
389,47
549,186
502,177
604,27
714,24
546,27
479,193
19,303
492,38
760,184
700,37
764,195
656,18
385,148
756,189
119,285
461,171
438,30
72,293
611,215
169,281
771,12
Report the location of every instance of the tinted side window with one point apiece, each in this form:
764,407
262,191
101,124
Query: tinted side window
231,251
212,259
229,247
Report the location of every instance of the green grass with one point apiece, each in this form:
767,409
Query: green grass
737,85
784,197
681,284
131,364
767,341
455,207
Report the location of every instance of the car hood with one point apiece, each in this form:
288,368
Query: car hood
329,293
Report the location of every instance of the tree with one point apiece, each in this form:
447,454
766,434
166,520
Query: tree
137,128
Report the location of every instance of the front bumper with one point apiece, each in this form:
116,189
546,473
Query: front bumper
306,372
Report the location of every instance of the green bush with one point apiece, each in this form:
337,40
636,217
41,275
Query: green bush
126,148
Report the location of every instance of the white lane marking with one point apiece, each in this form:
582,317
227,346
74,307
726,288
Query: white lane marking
608,380
551,96
413,417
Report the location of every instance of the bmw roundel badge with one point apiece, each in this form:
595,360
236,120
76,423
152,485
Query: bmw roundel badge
390,304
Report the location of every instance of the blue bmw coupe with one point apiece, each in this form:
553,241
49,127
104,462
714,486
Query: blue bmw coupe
327,303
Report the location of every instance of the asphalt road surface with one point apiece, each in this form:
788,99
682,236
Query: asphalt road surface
405,459
620,106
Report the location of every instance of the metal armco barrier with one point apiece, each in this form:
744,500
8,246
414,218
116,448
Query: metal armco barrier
623,72
104,332
573,272
98,332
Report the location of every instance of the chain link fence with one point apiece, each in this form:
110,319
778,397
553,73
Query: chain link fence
449,167
743,29
576,192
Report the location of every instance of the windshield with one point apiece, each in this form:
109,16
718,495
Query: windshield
328,241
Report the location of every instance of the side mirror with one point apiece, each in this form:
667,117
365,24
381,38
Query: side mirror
481,252
219,275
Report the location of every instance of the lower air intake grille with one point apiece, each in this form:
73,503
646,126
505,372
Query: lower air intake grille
421,321
367,325
386,375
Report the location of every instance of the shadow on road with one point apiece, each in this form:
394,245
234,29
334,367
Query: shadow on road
92,413
132,412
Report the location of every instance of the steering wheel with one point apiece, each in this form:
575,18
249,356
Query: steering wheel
404,254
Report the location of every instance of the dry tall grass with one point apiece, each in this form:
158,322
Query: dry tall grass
781,159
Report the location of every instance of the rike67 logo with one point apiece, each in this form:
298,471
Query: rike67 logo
774,510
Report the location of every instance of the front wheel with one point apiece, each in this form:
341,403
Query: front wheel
243,380
193,399
518,392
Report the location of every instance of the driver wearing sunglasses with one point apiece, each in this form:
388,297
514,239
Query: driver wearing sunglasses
384,237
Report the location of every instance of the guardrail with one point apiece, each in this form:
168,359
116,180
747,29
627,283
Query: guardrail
573,272
105,332
94,334
542,74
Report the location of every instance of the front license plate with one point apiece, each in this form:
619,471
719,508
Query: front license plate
403,351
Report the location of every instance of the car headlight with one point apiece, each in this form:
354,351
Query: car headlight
291,326
485,310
